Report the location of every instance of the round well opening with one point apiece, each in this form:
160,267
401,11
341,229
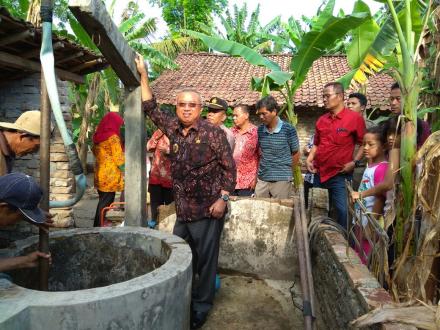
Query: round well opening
86,261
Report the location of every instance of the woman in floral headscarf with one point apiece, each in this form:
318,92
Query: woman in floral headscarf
109,164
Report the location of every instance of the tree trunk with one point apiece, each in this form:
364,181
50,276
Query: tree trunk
33,14
89,107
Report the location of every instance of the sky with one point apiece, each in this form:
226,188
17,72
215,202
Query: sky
269,9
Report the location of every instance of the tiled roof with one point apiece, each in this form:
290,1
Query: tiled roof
229,78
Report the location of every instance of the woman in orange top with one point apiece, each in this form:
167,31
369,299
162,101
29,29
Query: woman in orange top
109,164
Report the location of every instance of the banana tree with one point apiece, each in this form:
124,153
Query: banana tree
395,47
325,31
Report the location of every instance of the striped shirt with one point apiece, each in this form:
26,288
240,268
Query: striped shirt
277,148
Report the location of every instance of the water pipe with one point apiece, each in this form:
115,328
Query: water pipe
48,66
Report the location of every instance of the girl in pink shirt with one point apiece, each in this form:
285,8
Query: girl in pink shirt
374,146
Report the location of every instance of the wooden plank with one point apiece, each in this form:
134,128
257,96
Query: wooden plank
10,39
28,65
135,166
68,58
95,19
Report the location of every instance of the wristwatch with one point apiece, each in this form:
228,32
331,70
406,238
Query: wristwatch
225,197
357,163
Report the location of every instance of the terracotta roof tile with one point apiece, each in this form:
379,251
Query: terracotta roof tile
229,78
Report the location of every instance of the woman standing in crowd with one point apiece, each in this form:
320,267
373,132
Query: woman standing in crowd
109,163
160,183
246,154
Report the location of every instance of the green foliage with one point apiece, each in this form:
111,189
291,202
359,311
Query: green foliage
185,14
17,8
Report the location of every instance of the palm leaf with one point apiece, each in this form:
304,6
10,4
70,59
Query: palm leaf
130,23
235,49
315,43
146,29
153,55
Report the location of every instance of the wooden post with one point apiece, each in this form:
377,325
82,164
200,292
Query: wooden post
94,18
135,166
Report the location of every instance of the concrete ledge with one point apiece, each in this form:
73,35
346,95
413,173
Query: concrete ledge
344,287
257,238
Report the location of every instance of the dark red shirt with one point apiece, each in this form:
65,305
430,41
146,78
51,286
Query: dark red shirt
201,163
335,139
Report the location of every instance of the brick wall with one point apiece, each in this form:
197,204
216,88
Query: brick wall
21,95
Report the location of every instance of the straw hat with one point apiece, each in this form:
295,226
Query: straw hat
28,122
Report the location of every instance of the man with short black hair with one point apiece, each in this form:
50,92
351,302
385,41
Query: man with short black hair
357,102
331,157
19,139
19,198
423,129
279,145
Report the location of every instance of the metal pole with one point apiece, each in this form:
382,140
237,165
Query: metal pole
305,237
307,310
43,245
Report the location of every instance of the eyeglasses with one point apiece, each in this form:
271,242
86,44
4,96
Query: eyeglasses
187,104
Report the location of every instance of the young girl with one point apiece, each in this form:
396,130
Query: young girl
374,146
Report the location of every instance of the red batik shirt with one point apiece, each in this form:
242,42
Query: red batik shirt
160,173
246,156
201,163
335,138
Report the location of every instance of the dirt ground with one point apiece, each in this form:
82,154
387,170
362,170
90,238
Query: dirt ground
247,303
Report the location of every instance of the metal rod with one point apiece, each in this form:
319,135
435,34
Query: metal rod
308,319
43,245
305,237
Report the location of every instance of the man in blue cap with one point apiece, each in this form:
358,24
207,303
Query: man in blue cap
19,198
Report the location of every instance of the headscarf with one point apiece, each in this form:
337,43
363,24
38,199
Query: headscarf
110,125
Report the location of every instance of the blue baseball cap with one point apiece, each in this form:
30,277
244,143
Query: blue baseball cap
23,192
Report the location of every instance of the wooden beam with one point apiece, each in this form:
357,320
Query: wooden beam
86,65
10,39
17,62
135,175
36,51
94,18
68,58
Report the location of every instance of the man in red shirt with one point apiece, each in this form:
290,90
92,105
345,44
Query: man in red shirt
331,157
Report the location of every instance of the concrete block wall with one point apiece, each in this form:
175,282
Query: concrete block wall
22,95
344,287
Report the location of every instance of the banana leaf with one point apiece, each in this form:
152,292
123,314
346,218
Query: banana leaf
235,49
81,34
315,43
362,36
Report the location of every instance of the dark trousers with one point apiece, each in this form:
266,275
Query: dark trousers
243,192
105,199
203,237
159,196
337,194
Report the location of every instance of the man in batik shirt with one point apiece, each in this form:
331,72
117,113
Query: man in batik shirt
203,173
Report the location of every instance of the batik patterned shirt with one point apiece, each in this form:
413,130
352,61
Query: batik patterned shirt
201,163
109,157
246,156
